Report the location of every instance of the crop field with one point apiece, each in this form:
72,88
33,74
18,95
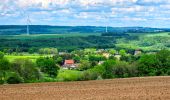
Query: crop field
148,88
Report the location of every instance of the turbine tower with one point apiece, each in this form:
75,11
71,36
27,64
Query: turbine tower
28,24
106,28
106,19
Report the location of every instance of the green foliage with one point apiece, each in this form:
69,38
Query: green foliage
94,73
63,43
15,79
122,52
108,66
123,69
26,69
96,58
88,75
84,65
69,75
4,67
59,60
48,51
1,55
48,66
4,64
112,51
76,59
155,64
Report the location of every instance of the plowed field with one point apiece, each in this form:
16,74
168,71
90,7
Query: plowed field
148,88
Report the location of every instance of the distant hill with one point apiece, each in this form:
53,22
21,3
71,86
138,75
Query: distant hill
45,29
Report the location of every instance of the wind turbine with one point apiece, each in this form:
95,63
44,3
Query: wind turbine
27,20
106,18
106,29
28,24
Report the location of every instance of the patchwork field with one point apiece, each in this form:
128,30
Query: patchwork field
149,88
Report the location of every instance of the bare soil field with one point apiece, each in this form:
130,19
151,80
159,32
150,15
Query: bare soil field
145,88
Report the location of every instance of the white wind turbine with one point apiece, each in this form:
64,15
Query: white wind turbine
28,21
106,18
28,24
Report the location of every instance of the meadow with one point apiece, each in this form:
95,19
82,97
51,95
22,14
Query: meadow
147,42
33,58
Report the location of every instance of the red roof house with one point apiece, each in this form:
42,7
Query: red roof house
69,62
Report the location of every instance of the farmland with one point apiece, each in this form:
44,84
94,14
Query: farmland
152,88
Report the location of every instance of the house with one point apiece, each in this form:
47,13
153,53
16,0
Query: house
62,53
107,55
100,62
137,52
69,64
117,56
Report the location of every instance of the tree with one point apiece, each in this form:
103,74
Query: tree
147,65
108,67
26,69
1,55
96,58
48,66
122,69
77,59
4,67
163,57
112,51
122,52
59,60
84,65
48,51
15,79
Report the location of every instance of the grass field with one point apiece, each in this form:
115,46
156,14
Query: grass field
147,42
31,57
146,88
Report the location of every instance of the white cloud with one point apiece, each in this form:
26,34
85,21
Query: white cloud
88,10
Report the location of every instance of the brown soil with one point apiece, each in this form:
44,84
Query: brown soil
148,88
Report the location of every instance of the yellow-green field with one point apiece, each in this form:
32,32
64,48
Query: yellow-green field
31,57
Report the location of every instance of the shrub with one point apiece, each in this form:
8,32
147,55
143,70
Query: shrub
88,75
16,79
48,66
1,55
108,67
26,69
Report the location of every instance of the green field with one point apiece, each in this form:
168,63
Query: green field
31,57
147,42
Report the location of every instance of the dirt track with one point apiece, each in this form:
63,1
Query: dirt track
150,88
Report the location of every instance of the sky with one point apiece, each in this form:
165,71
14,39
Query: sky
115,13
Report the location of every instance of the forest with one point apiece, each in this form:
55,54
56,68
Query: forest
93,53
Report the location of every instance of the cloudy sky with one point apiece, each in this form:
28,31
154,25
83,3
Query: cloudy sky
116,13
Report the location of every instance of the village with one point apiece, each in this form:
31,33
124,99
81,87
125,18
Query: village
76,59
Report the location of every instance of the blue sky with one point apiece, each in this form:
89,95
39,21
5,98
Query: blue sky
116,13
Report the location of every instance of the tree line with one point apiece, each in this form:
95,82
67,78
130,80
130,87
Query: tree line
46,69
